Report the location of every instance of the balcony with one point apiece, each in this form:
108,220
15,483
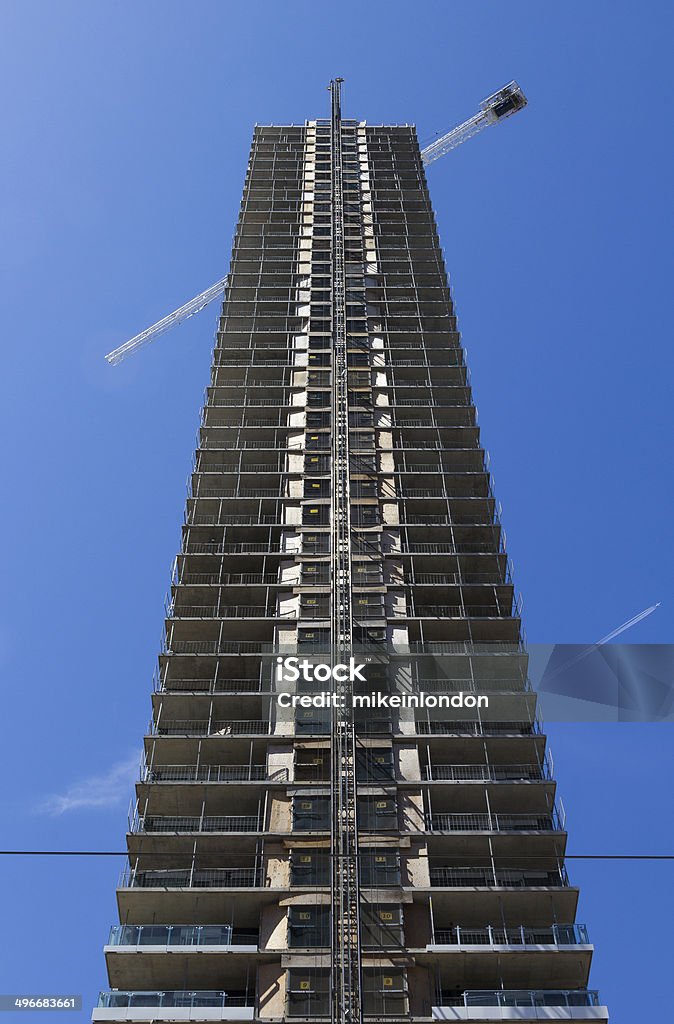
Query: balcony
557,935
181,935
521,1005
176,1005
194,878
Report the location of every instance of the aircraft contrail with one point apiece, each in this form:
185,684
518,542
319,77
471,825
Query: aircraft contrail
604,640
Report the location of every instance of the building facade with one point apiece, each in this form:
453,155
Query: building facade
394,862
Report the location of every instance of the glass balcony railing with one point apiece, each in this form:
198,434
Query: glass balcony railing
179,935
523,997
556,935
119,999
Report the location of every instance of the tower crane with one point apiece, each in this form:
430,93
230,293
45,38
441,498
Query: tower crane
494,108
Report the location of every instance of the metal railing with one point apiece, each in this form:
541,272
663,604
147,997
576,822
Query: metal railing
523,997
439,728
556,935
487,772
117,999
188,579
235,611
211,685
502,878
180,935
471,611
212,773
493,822
188,878
194,823
472,685
204,727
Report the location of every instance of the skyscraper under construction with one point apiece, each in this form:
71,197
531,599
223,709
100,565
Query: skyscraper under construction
295,862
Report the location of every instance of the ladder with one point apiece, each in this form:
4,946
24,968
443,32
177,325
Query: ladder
346,1004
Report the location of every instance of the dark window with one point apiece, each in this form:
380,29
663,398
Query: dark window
384,991
316,488
315,515
374,764
314,606
379,868
317,420
312,765
311,814
312,721
309,867
377,812
313,638
316,543
318,398
317,442
381,926
317,464
308,927
309,992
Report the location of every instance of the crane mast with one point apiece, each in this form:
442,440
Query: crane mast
346,1002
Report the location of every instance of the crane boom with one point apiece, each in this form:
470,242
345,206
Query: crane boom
495,108
194,305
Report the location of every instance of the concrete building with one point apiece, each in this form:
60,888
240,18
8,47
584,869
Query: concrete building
393,863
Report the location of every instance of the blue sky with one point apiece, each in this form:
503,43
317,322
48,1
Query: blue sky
125,138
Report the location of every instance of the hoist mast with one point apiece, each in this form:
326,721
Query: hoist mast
346,1002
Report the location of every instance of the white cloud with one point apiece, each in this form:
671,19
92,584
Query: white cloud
106,790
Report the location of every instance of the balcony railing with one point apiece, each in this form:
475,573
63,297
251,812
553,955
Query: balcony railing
523,997
235,611
439,728
117,999
212,773
493,823
236,579
187,878
487,772
502,878
214,685
204,727
474,685
472,611
194,823
180,935
557,935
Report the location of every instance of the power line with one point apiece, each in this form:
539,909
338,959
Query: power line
125,853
